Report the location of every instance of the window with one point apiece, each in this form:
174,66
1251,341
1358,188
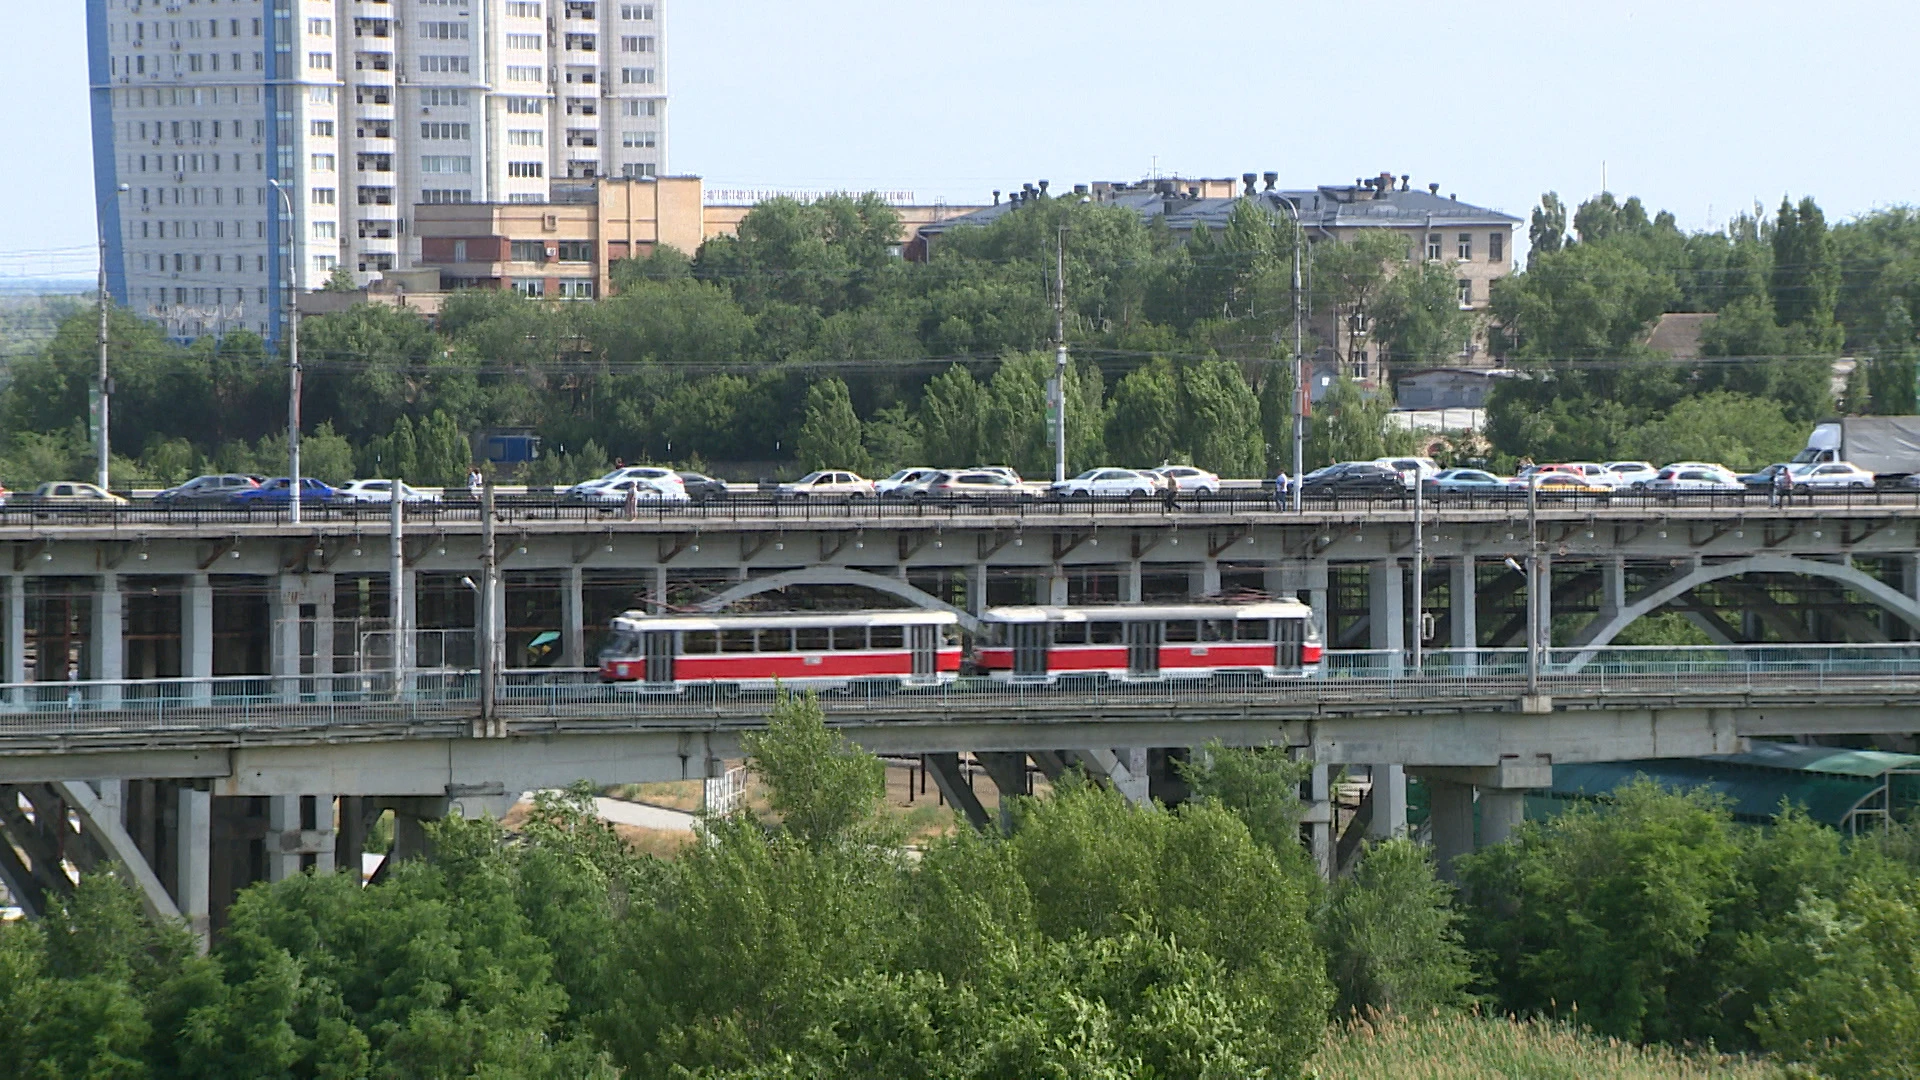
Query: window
325,230
526,170
320,61
526,197
535,287
637,12
1466,292
527,251
445,196
446,163
324,264
317,27
323,196
525,106
1496,247
444,31
442,95
636,44
638,170
434,130
576,250
1466,246
1252,630
526,137
517,73
849,637
637,140
320,129
886,637
647,107
1182,630
525,41
521,9
637,76
321,163
445,65
1433,247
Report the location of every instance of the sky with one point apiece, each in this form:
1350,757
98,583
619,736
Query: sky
1698,107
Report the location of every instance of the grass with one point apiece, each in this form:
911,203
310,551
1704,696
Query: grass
1488,1048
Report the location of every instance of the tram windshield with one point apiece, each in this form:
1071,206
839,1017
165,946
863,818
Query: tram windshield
624,644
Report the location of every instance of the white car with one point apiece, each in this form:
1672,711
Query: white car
828,482
1188,478
1003,470
1689,478
667,478
896,485
1596,473
1714,465
1832,476
973,484
1108,484
646,492
1413,470
1632,473
381,491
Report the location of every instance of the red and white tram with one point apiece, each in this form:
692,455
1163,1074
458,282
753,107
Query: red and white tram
821,650
1276,639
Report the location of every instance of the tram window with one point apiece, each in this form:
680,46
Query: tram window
733,641
887,637
1216,629
849,637
1253,630
700,641
624,643
1070,633
1182,630
810,639
1107,633
776,641
950,635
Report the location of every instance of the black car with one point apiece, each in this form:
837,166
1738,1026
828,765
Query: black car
1353,478
702,488
217,489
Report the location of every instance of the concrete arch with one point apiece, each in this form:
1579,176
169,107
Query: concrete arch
836,575
1604,631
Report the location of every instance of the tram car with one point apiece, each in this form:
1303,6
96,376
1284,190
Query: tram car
1139,642
820,650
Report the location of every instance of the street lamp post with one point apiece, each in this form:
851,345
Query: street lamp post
105,445
1300,390
293,361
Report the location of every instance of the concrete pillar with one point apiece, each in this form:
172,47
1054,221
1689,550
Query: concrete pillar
1057,586
1131,586
196,634
660,589
1135,786
1464,595
573,632
1613,587
1501,811
322,586
1317,599
977,588
193,849
1389,801
1318,820
407,637
283,833
1210,577
17,631
284,658
109,654
1387,614
1546,610
1451,808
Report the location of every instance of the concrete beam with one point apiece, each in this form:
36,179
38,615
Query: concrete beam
104,826
954,788
1516,775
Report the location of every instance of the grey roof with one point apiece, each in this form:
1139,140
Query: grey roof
1325,207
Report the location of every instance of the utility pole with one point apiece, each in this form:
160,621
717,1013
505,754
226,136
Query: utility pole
1533,584
293,360
1301,392
104,388
1419,573
1060,359
397,598
489,618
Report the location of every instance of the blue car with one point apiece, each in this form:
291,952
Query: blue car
1459,482
278,492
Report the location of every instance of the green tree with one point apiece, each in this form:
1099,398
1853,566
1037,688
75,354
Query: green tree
823,789
1349,424
830,434
953,417
1143,421
1547,233
1392,937
1220,419
1418,320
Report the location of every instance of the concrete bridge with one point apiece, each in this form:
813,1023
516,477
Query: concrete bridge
221,700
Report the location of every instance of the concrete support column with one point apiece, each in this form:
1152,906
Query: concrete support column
109,654
283,831
1318,820
284,659
1057,586
1501,811
406,637
977,588
1317,599
1131,586
193,849
1210,577
1389,801
1451,808
1464,594
1387,613
1613,587
17,630
196,633
1546,610
573,630
659,589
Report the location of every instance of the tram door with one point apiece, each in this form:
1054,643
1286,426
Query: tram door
1030,648
925,642
1292,633
659,653
1143,648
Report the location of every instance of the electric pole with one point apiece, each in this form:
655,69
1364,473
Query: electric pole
1060,359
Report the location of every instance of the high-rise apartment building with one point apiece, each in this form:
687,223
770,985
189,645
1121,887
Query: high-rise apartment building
357,110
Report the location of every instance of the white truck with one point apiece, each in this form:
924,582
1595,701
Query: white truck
1887,446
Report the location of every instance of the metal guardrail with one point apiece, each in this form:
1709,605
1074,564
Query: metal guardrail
1363,681
759,506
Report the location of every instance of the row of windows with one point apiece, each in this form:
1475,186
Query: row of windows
634,44
802,639
446,163
637,76
521,73
442,95
197,129
522,9
526,41
189,95
536,251
637,12
1463,247
189,163
136,32
444,65
219,264
437,130
193,63
569,288
443,31
1175,631
200,295
199,196
183,230
526,137
446,196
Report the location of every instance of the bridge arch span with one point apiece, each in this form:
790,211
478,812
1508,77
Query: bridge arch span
836,575
1604,631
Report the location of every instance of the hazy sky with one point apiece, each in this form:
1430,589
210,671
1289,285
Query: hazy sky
1697,107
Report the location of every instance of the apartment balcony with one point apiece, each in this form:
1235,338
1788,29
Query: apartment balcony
583,43
382,212
371,94
374,163
584,10
583,107
370,128
373,61
582,76
582,170
588,139
376,230
376,196
372,28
